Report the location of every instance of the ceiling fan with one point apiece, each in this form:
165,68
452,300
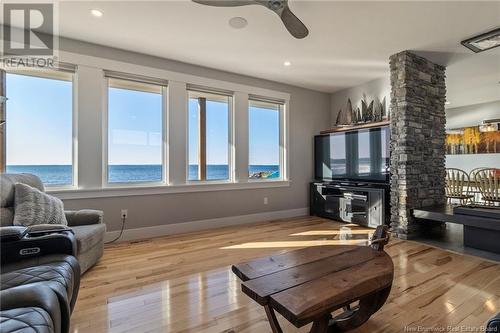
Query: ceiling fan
280,7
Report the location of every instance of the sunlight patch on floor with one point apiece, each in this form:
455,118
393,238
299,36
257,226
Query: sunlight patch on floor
490,306
332,232
284,244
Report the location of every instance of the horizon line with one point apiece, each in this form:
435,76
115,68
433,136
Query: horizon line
17,165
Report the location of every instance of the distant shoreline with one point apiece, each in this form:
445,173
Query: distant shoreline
62,174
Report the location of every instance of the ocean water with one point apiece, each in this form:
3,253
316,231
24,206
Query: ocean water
49,174
62,174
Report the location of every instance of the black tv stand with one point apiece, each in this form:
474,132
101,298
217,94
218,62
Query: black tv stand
359,202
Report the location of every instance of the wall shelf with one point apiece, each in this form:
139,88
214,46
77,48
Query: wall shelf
355,127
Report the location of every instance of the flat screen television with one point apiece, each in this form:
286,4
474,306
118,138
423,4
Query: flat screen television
358,155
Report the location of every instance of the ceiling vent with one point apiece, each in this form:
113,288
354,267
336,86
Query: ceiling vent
483,42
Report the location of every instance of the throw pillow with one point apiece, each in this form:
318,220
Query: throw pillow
32,206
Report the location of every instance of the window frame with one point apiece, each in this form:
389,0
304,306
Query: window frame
105,138
39,73
283,139
231,139
91,109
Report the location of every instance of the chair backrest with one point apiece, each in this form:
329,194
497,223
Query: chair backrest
488,183
7,182
457,182
472,173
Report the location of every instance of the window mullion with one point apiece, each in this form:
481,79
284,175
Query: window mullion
202,170
241,137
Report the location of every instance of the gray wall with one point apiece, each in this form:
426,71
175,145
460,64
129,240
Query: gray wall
309,113
472,115
372,90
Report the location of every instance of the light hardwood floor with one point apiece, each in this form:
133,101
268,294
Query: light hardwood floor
184,283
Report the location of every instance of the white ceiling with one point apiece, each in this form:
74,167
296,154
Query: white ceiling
349,42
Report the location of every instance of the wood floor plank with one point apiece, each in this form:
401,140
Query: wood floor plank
183,283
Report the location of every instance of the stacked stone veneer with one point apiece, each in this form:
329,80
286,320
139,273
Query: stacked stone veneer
418,121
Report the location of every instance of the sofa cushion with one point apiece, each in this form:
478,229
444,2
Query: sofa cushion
6,216
87,236
83,217
48,298
7,182
61,272
26,320
32,206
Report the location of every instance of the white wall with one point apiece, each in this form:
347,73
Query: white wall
372,90
472,161
309,112
472,115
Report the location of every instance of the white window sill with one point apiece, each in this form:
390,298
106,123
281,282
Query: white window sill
124,191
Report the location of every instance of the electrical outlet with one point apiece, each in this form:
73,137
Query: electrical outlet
124,213
266,201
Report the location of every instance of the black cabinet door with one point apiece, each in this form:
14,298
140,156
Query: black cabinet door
325,202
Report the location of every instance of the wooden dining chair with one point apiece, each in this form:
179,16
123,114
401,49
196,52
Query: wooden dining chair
488,183
473,189
458,186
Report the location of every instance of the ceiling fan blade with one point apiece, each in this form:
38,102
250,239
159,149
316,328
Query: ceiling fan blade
293,24
225,3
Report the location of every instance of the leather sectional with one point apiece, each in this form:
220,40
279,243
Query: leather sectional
41,264
38,293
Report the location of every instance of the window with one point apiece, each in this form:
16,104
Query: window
265,153
39,125
208,133
135,150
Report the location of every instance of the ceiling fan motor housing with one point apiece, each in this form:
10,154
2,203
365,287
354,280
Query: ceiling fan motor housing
276,4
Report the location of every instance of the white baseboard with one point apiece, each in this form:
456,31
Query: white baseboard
178,228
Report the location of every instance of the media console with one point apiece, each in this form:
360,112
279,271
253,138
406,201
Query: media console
361,203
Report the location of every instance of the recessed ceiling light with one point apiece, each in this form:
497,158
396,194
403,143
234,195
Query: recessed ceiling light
96,12
483,42
238,22
287,63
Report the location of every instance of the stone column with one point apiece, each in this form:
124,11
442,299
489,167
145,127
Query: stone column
418,150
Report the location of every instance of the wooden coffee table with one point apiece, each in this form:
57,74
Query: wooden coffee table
307,285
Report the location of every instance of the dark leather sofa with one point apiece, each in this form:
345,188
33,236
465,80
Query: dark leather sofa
38,290
33,308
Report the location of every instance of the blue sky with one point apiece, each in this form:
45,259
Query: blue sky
263,131
39,121
134,127
39,126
